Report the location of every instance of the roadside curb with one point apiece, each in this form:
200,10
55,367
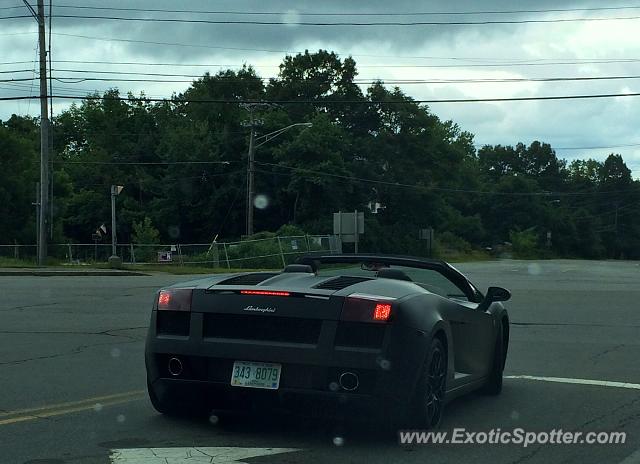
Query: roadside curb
64,272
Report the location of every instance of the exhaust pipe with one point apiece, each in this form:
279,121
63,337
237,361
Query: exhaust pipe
175,367
349,381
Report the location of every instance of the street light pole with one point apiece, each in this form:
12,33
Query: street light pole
250,176
113,221
114,259
251,161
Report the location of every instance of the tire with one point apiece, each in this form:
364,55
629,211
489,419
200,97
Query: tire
172,405
429,396
494,383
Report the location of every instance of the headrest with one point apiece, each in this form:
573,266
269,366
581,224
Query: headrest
298,268
393,274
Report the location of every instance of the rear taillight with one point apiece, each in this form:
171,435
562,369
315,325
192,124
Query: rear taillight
367,308
175,299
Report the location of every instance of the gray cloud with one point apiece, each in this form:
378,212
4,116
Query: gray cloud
564,124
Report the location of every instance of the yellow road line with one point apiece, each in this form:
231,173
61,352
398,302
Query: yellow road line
69,407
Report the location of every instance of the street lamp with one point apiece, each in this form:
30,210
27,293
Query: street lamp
114,259
250,165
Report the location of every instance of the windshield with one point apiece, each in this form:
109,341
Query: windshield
429,279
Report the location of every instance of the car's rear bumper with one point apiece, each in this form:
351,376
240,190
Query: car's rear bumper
310,371
222,397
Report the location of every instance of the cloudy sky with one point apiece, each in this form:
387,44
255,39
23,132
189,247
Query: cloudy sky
89,48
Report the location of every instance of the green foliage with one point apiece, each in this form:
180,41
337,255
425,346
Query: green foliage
183,166
524,242
144,233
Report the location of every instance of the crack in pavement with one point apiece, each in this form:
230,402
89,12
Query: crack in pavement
570,324
108,332
607,351
624,406
76,350
23,307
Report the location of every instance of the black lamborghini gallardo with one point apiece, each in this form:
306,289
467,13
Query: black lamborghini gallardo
334,334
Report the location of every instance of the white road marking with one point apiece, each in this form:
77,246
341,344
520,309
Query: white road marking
195,455
633,458
599,383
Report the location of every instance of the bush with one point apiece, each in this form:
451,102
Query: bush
525,243
144,233
266,252
448,244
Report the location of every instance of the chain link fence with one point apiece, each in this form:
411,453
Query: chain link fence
272,252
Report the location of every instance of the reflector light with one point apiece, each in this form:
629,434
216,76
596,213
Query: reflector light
264,292
382,312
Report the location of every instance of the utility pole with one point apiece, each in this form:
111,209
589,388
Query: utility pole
44,141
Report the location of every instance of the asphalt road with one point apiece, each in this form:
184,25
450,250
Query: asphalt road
72,377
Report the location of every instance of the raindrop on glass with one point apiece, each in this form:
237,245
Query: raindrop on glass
261,202
534,269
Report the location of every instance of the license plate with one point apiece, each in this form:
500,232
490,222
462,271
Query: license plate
256,375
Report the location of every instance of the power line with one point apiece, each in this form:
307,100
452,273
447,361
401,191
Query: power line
15,17
150,42
280,13
432,188
481,145
142,163
599,147
536,62
415,13
355,81
342,24
495,61
338,102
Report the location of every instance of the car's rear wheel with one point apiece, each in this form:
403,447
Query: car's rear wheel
494,383
429,397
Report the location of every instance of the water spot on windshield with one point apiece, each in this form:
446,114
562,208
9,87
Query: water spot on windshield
534,269
261,201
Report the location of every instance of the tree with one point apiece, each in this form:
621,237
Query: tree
19,172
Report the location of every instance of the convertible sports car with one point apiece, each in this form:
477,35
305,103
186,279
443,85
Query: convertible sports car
347,335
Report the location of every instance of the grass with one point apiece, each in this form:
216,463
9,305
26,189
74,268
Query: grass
16,263
182,270
5,262
465,257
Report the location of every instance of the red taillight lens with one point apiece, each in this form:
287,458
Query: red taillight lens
382,312
366,308
264,292
178,299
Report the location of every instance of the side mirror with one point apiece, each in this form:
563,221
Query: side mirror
497,294
494,294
